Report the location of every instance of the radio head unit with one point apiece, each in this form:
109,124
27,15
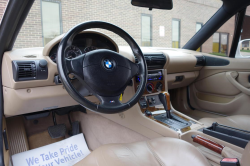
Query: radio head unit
152,76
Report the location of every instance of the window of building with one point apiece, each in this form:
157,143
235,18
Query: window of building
175,33
198,27
51,20
220,43
146,28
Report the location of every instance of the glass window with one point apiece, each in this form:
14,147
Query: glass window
216,43
224,43
220,44
244,44
198,27
48,18
175,33
51,23
146,30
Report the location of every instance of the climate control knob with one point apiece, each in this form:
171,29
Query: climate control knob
150,87
159,86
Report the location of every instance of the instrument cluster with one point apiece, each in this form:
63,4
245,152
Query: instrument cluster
83,43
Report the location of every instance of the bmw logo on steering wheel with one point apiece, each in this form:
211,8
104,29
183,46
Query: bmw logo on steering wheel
108,64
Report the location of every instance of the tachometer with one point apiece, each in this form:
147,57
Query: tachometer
91,48
72,52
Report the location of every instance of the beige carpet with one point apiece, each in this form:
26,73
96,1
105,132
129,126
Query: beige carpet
41,139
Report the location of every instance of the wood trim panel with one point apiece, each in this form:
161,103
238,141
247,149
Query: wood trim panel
208,144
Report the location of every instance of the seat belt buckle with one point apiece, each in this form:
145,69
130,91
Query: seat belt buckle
230,162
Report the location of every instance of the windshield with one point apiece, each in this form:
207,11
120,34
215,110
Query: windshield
157,28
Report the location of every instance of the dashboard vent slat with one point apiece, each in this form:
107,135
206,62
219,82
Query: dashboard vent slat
26,70
154,60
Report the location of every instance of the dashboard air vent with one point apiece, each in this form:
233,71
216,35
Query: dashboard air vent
154,60
26,70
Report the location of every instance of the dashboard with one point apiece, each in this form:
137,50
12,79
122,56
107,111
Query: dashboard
83,43
29,74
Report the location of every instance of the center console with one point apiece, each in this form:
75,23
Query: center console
155,103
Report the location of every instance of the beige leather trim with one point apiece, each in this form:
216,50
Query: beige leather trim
35,99
230,153
231,77
243,79
188,78
233,66
213,98
210,155
238,106
245,157
56,40
156,152
180,61
217,84
20,54
135,120
37,54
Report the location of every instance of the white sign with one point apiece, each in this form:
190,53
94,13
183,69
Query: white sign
162,31
64,153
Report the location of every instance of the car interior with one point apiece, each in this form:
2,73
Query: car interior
134,105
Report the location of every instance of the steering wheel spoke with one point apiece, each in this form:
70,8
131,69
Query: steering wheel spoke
109,101
135,70
74,66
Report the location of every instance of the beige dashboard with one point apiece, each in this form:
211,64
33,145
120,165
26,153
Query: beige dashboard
24,97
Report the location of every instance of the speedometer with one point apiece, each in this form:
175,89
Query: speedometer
72,52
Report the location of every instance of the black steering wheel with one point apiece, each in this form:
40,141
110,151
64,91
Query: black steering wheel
104,73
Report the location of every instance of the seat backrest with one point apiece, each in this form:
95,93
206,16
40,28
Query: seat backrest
245,160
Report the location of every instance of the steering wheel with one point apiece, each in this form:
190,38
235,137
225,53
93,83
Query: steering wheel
104,73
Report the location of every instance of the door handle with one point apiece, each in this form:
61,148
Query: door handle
231,77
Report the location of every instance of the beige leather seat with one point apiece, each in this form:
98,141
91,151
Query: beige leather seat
161,152
236,121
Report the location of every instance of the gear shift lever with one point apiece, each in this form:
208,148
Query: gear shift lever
165,100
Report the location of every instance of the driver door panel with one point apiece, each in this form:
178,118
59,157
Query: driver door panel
223,89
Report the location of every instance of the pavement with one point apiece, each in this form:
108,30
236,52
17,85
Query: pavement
245,53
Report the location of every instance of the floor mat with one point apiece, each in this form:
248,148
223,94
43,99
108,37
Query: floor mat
41,139
63,153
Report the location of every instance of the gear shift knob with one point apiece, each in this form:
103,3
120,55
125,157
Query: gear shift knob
165,100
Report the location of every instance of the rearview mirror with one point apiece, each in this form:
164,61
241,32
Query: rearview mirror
157,4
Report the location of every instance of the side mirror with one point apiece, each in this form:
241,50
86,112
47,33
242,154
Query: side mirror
157,4
243,50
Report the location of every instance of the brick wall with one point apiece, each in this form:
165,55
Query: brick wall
126,16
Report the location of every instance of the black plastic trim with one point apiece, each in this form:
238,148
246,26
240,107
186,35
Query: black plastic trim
154,60
228,9
40,73
13,18
6,144
214,61
201,60
237,32
229,134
